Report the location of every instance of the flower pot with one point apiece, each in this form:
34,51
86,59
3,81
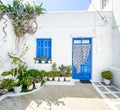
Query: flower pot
56,78
49,62
37,85
61,78
50,78
37,61
67,78
42,62
30,87
17,89
106,81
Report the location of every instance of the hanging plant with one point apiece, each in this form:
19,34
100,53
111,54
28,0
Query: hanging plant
23,16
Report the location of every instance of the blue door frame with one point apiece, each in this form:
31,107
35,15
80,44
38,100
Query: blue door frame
86,68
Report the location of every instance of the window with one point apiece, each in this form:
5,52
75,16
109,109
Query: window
104,3
44,48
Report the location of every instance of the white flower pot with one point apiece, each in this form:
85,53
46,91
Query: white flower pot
106,81
37,61
17,89
30,87
56,78
50,78
42,62
37,85
49,62
61,78
67,78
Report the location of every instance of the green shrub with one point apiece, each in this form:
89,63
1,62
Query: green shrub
107,75
33,72
7,84
68,75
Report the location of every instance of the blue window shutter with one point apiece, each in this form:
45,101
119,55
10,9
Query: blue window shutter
44,48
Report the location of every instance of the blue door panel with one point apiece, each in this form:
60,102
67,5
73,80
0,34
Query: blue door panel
86,68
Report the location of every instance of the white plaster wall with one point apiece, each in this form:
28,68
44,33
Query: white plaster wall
62,27
98,5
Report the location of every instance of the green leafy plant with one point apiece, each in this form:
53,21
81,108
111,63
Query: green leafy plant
7,84
29,80
43,58
37,79
36,59
107,75
68,75
6,73
50,74
62,70
23,17
54,67
33,72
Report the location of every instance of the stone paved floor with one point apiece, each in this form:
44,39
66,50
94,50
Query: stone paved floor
77,97
109,93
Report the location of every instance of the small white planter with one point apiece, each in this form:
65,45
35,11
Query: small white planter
37,85
106,81
37,61
61,78
56,78
67,78
17,89
30,87
42,62
49,62
50,78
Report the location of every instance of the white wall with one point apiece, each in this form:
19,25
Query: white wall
62,27
116,33
98,5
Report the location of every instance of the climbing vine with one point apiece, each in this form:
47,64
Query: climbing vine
23,16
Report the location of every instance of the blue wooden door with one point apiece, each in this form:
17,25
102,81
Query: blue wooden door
85,68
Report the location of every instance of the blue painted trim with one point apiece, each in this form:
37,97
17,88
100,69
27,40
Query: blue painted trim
44,47
86,69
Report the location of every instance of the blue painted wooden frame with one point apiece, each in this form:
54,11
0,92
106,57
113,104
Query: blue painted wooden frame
86,68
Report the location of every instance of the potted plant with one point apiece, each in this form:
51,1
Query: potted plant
29,82
44,74
56,75
43,59
50,75
7,84
107,76
49,60
67,76
62,72
68,73
18,86
36,60
37,82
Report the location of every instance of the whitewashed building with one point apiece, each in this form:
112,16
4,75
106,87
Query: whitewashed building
57,37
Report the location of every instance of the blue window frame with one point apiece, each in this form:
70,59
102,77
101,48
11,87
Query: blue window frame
44,47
